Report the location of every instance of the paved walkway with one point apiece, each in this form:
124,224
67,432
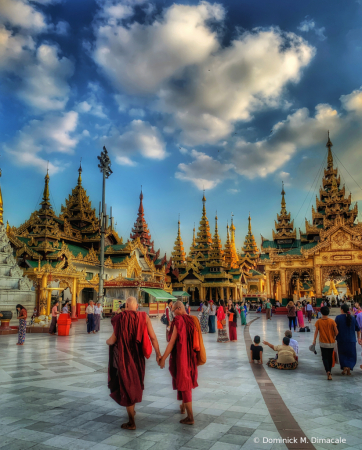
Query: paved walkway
53,394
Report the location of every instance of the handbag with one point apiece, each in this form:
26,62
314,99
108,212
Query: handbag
231,317
146,344
164,319
219,325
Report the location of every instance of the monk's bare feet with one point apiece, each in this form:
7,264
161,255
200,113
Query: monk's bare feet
182,409
187,421
128,426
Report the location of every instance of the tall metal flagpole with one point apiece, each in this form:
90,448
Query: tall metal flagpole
105,166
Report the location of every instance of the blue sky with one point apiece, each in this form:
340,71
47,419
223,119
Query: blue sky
232,97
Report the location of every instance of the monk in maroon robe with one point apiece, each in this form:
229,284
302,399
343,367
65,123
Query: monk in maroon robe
183,361
126,370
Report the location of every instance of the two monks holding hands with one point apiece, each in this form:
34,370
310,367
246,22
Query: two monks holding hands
127,362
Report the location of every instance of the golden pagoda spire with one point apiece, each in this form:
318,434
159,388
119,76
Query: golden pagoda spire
217,254
80,173
329,145
230,260
203,242
1,205
46,202
178,254
250,247
283,203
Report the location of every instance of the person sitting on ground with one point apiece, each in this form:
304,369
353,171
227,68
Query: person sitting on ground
287,359
293,343
256,351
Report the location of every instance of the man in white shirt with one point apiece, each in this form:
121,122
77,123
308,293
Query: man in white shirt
212,311
90,317
293,343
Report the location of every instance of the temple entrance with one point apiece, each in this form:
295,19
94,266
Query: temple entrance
87,295
300,284
342,281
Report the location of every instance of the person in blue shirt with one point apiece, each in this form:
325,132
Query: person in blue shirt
346,339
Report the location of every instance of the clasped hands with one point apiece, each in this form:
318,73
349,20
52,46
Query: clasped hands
160,361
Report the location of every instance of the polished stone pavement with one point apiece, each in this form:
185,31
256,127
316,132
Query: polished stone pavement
53,394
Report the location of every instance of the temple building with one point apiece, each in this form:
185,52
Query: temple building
330,249
208,272
61,253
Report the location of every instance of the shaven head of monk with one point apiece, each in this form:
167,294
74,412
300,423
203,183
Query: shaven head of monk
131,304
178,308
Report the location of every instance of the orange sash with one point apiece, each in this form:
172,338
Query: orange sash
199,343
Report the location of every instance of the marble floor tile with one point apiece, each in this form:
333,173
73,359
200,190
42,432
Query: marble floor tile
53,395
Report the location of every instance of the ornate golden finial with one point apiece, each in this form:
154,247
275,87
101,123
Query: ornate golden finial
80,173
249,225
232,226
330,156
46,203
7,227
283,204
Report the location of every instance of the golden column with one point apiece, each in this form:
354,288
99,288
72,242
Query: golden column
74,300
318,281
283,282
49,300
43,294
268,289
222,293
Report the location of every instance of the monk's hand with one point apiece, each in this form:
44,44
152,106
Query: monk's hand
161,363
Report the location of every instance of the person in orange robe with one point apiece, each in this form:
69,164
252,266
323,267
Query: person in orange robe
126,369
183,359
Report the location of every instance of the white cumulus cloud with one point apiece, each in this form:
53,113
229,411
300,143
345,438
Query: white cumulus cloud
53,134
204,171
139,138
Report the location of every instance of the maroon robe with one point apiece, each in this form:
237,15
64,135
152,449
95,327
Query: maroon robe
183,361
126,369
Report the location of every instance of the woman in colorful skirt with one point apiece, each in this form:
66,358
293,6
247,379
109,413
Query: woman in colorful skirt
346,339
300,315
222,335
287,359
231,312
22,316
242,314
204,318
